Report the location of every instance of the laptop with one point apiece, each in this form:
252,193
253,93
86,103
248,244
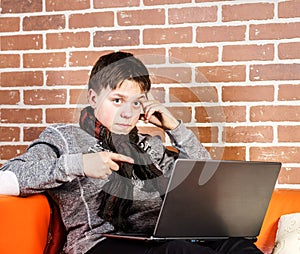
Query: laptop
210,200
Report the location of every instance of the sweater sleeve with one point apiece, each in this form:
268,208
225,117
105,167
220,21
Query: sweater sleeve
9,183
43,166
186,142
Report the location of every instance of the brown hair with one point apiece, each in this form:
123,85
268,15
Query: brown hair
112,69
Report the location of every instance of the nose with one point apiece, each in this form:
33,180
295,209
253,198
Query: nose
127,111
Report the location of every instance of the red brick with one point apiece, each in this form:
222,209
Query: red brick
21,42
206,134
10,151
167,35
275,72
194,94
21,115
170,75
192,15
228,153
32,133
18,79
248,134
141,17
116,3
78,77
289,50
78,96
46,22
11,24
247,93
9,61
149,55
204,1
220,114
44,60
233,73
58,5
289,9
284,154
45,96
61,115
182,113
158,93
99,19
163,2
117,38
68,40
289,175
220,33
289,133
17,6
289,92
274,113
251,11
89,58
85,58
274,31
9,97
194,54
9,134
248,52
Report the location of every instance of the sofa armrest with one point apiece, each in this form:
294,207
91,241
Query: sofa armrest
24,224
283,201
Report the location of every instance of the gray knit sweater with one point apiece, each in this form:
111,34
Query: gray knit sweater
53,163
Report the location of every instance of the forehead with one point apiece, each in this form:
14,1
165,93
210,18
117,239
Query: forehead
129,90
129,84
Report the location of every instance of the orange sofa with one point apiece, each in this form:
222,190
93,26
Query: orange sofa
32,225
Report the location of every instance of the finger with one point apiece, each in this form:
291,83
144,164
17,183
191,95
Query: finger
106,175
152,110
150,107
150,96
108,172
121,158
149,103
142,117
113,166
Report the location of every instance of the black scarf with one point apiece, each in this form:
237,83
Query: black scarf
117,194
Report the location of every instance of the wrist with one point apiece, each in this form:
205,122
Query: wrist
172,125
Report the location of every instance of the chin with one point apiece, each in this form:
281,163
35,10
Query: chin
121,131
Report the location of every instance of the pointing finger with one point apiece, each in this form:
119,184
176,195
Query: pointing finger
121,158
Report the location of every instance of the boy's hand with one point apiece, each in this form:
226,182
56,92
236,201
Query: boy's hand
158,114
101,164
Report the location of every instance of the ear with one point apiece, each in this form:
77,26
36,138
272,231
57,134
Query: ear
92,98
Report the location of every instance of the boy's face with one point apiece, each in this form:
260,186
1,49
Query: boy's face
119,109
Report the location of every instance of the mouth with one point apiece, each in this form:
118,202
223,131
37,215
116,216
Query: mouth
123,125
122,128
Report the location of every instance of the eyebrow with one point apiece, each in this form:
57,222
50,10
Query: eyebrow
125,96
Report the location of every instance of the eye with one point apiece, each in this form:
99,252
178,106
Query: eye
117,101
137,104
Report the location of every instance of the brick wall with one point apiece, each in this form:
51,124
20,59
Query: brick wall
229,69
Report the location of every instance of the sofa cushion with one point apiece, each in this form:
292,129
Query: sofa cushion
288,234
24,224
282,202
57,234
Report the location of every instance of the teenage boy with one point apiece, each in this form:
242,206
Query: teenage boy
106,176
